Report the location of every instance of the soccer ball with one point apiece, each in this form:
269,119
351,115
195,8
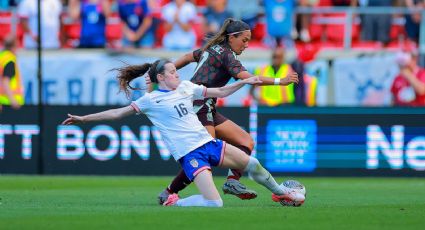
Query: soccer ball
296,185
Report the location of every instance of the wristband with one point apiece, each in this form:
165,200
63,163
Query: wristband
277,81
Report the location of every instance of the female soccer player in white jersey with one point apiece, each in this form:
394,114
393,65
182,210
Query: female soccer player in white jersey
170,108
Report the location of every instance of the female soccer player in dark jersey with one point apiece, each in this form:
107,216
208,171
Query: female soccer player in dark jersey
217,64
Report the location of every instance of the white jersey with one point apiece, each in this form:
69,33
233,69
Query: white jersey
172,113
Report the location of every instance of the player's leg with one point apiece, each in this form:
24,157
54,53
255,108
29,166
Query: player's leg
233,134
181,181
209,196
197,166
235,158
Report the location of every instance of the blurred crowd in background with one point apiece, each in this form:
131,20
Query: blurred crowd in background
184,24
187,24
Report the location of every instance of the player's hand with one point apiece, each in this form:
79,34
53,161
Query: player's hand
72,119
253,80
291,78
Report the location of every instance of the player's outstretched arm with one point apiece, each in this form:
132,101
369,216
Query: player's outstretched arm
112,114
289,79
184,60
231,88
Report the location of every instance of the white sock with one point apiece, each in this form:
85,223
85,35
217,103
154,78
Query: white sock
262,176
199,201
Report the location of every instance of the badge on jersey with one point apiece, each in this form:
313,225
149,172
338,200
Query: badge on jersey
194,163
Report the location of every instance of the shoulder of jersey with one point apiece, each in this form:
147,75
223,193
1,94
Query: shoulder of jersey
185,87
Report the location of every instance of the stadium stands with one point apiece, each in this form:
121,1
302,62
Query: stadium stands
327,30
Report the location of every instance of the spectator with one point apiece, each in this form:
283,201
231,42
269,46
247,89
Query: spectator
303,93
137,19
178,16
247,11
93,14
302,22
344,2
376,27
273,95
50,23
215,15
11,89
408,88
413,21
280,21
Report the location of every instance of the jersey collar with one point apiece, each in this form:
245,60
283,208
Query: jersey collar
164,90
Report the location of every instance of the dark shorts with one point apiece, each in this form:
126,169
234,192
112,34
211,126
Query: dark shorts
203,158
207,114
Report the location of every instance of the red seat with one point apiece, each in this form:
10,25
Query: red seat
316,31
402,45
367,45
202,3
198,27
336,31
259,31
397,32
70,31
159,34
5,24
113,29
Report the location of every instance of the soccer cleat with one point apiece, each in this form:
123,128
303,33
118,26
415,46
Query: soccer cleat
235,187
290,196
163,196
171,200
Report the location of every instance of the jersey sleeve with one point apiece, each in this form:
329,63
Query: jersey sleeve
232,65
197,55
142,104
188,88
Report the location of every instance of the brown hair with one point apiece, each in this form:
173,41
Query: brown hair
229,27
130,72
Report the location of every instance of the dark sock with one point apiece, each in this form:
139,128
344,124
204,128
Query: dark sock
179,183
236,172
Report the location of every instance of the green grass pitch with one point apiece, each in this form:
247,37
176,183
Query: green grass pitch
93,202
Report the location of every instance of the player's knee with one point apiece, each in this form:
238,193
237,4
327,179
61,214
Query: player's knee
250,143
253,165
247,142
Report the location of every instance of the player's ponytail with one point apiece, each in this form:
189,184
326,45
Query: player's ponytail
230,27
128,73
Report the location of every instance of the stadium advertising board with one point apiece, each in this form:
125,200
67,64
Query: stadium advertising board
306,141
342,141
86,79
364,80
132,146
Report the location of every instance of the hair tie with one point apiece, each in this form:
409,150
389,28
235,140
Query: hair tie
160,65
237,32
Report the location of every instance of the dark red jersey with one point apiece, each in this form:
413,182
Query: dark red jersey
216,66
